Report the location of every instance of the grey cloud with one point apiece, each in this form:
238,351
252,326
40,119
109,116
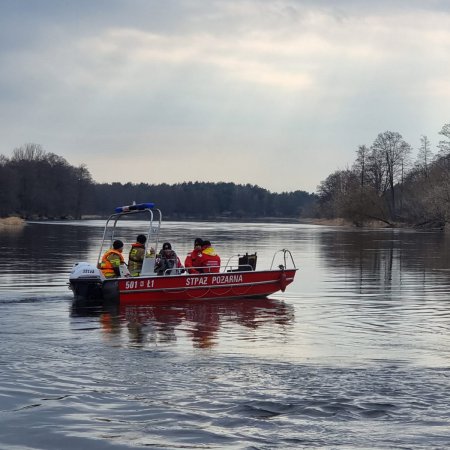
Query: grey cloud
296,85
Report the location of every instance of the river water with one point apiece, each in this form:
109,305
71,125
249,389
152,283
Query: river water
354,355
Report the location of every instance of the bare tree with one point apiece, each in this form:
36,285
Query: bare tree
334,190
425,156
444,146
376,171
28,152
394,151
362,163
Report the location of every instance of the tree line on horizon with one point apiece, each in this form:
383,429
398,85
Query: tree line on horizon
35,184
386,184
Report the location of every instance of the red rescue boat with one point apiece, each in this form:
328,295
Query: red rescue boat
238,278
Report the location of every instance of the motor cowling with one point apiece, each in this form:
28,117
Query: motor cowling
86,282
84,271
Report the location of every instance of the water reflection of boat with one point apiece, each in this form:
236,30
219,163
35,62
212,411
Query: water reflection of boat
200,320
238,278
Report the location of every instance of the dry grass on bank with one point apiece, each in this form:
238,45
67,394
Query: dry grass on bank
11,224
346,223
333,222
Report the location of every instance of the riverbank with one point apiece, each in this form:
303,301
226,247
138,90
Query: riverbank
11,224
339,222
376,224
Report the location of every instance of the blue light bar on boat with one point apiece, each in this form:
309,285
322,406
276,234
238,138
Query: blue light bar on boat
138,207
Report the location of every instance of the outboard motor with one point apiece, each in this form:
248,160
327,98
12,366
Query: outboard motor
86,281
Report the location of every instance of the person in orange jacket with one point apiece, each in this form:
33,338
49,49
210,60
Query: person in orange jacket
210,259
193,261
112,260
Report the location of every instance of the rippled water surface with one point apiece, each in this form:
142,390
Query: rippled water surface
354,355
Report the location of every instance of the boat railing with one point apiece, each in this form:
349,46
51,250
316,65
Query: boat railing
154,216
173,271
286,259
202,270
239,268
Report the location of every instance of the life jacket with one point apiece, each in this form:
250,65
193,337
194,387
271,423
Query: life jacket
210,260
194,259
135,259
110,260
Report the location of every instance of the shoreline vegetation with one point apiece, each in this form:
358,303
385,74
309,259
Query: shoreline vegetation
367,224
16,222
386,185
37,185
383,188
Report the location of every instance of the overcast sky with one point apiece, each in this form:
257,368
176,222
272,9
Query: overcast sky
276,93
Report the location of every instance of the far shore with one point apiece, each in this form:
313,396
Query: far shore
377,224
11,223
17,223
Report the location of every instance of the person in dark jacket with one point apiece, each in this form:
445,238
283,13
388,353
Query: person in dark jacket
167,261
